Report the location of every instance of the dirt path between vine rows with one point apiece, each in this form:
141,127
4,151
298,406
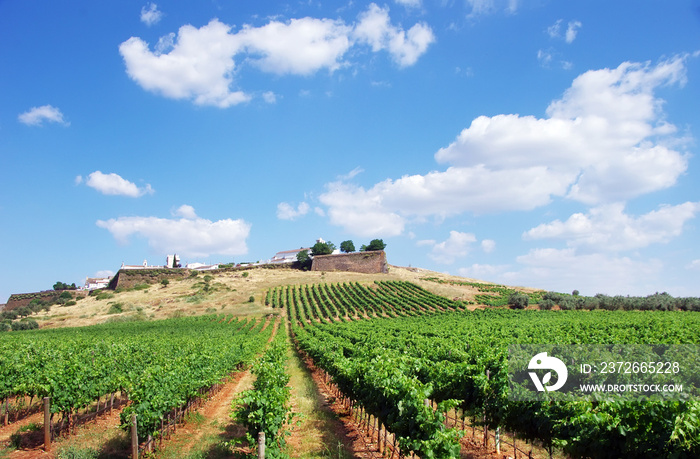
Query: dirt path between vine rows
204,432
210,425
357,441
102,434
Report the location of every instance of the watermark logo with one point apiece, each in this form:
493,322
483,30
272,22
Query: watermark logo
624,372
542,362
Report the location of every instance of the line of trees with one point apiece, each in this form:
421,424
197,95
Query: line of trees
374,244
63,286
326,248
657,301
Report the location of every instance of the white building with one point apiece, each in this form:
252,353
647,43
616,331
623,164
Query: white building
290,256
287,256
172,261
92,283
142,266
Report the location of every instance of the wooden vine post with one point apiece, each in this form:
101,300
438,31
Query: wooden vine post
486,427
134,438
47,424
498,440
261,445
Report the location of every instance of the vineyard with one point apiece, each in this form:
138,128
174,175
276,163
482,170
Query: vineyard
161,366
408,353
418,363
327,303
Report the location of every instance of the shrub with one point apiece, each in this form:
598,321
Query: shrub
5,327
547,304
104,296
74,452
25,325
518,300
164,282
11,315
570,302
554,296
116,308
251,299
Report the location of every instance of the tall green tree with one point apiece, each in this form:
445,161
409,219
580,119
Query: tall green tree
303,259
347,246
375,244
322,248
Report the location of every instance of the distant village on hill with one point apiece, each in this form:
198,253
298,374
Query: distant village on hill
173,262
321,247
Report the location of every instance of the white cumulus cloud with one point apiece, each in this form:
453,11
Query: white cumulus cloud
488,245
554,30
150,14
455,247
565,270
572,31
114,184
286,211
300,46
376,30
188,235
185,211
609,228
388,205
37,115
360,212
572,28
483,271
269,97
604,141
200,64
607,133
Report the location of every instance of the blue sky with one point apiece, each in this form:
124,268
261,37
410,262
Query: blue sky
529,142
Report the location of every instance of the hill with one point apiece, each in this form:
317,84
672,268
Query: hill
230,292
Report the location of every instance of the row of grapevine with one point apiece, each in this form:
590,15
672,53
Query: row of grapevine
266,408
160,365
383,386
463,357
492,294
327,303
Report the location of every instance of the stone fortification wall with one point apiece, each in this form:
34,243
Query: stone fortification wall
17,300
127,278
359,262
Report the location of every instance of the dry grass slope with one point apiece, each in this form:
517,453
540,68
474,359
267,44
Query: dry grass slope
228,293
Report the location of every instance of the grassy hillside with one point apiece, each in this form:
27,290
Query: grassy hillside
228,292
